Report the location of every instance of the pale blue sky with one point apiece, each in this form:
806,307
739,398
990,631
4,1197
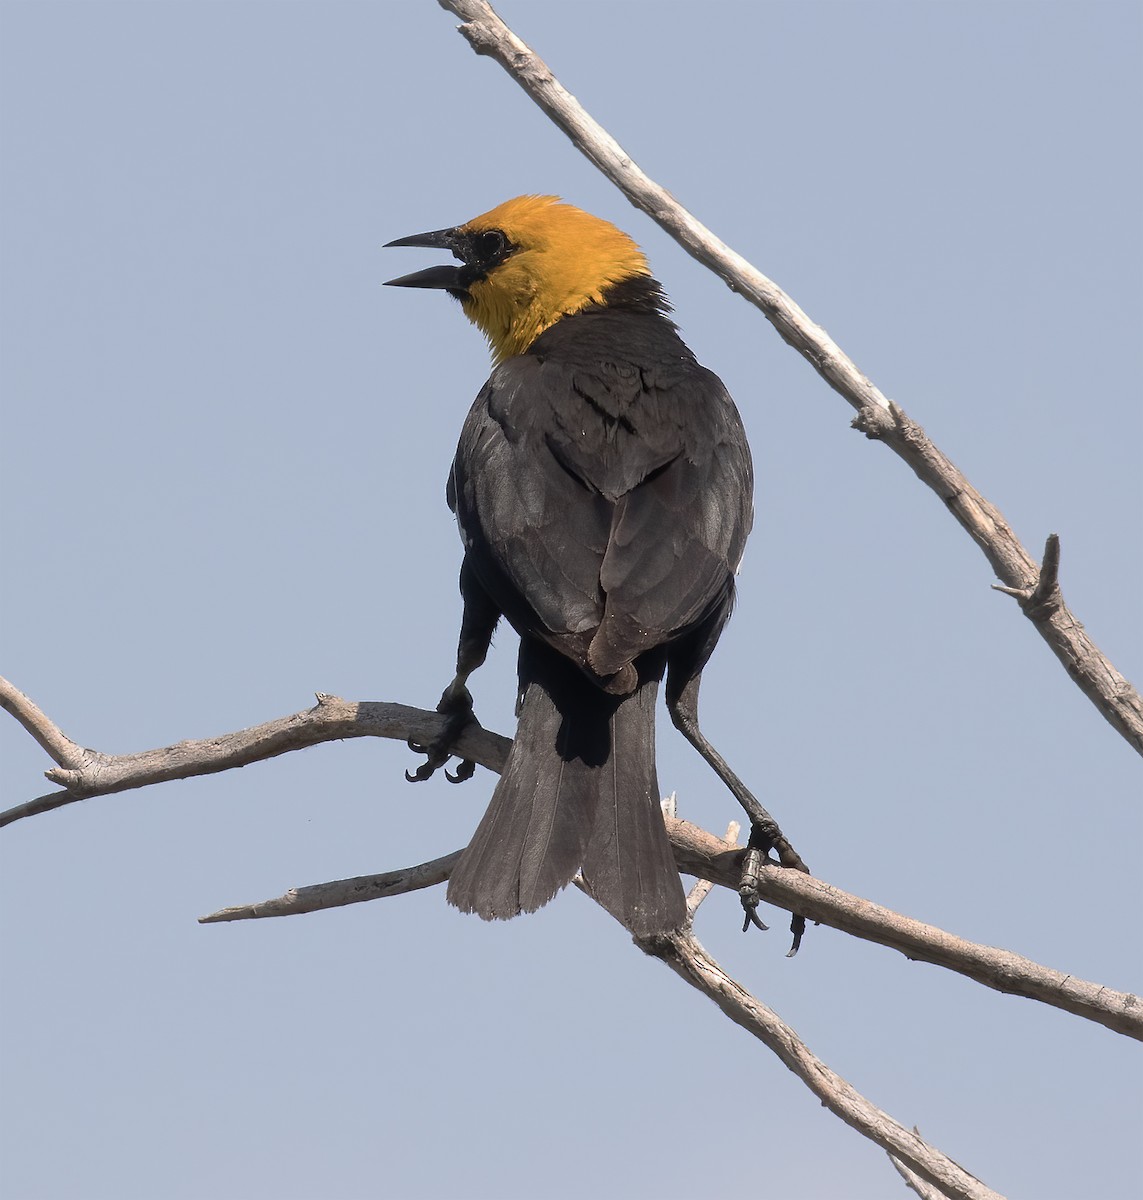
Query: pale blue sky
223,462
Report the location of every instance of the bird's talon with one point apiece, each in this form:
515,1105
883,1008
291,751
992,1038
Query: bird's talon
466,770
748,892
750,908
425,771
797,928
458,714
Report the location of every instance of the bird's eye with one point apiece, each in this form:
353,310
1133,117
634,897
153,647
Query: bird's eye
491,246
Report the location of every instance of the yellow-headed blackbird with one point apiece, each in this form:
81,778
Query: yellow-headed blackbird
603,489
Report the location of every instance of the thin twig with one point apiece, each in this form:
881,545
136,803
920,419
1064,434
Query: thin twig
914,1182
877,417
686,957
60,748
921,1187
337,894
702,887
1044,597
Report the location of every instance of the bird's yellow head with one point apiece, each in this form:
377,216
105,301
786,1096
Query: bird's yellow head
525,264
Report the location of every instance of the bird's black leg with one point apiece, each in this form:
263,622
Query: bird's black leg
765,833
476,627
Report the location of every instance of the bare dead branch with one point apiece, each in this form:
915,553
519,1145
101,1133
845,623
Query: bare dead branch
697,852
701,853
93,773
1042,603
686,957
877,417
41,804
709,858
51,739
342,891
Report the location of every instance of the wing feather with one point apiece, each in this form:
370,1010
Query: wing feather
605,507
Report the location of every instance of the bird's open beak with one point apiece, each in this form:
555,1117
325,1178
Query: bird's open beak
445,277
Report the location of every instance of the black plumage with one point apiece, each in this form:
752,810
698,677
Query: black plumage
603,488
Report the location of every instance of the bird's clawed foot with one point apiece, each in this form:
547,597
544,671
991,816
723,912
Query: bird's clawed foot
749,888
456,706
757,852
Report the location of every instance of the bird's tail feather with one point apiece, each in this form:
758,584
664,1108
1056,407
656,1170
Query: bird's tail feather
578,791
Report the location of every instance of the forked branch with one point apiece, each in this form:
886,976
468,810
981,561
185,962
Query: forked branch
686,957
715,863
84,773
697,852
